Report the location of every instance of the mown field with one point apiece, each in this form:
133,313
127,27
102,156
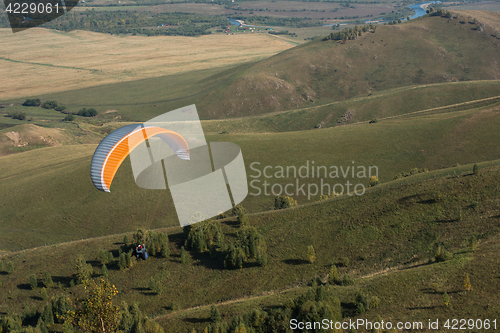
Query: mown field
81,59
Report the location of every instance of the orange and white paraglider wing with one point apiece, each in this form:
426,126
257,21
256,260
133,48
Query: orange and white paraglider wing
113,150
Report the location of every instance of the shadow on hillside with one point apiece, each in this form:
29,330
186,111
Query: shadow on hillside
233,224
24,286
424,307
64,280
36,298
348,309
196,320
3,273
295,262
415,266
446,221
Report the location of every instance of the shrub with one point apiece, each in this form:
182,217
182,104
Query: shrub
46,315
84,270
362,302
475,169
183,255
214,314
17,115
60,108
157,242
284,201
446,299
69,117
33,281
9,268
374,181
311,254
104,270
124,260
61,304
43,294
333,277
442,254
32,102
87,112
242,219
473,243
347,280
125,240
373,121
467,284
237,209
344,262
50,104
139,236
47,280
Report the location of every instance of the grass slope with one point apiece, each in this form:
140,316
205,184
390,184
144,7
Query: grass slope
377,231
59,203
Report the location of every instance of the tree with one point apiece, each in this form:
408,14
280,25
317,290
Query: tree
97,312
473,243
311,254
91,112
333,277
446,299
33,281
43,294
214,314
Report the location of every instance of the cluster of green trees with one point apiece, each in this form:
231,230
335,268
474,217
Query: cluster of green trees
351,33
16,115
90,112
412,172
249,246
284,201
127,22
32,102
318,303
207,236
280,21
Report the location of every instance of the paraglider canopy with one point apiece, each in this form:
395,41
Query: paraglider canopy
113,150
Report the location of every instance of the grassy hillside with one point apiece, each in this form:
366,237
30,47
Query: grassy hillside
49,194
396,228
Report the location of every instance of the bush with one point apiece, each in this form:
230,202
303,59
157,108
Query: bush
475,169
214,314
183,255
333,277
104,270
84,271
69,117
311,254
125,240
43,294
235,211
60,108
442,254
17,115
344,262
362,302
242,219
50,104
157,242
33,281
284,201
60,306
347,280
374,181
446,299
87,112
9,268
47,280
32,102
